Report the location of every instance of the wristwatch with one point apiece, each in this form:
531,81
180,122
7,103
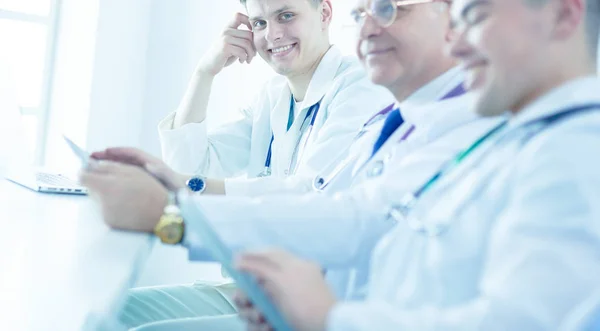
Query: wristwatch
196,184
170,227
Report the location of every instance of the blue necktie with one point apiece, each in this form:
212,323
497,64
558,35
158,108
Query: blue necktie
392,122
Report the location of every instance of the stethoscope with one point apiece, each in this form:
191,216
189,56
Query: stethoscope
312,114
378,167
321,182
402,212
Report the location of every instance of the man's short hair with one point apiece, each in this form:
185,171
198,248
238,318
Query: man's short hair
314,2
592,21
593,24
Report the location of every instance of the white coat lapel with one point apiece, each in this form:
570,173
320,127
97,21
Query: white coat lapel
320,84
322,80
279,120
286,141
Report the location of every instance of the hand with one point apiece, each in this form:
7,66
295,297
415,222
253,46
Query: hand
296,286
247,312
133,156
129,197
234,44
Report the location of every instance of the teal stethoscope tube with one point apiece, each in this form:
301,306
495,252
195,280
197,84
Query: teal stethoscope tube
313,111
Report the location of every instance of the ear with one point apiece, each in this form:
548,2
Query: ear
326,14
444,7
570,16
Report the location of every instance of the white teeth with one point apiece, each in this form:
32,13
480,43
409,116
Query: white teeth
282,49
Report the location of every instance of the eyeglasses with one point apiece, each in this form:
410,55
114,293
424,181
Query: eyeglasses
384,12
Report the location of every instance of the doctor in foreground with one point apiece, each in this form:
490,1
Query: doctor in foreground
507,237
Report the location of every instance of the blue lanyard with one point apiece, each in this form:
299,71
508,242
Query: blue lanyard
313,111
401,211
548,120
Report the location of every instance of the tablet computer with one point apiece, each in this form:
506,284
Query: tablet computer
223,254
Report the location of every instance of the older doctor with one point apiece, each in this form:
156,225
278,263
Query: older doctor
434,123
302,121
516,248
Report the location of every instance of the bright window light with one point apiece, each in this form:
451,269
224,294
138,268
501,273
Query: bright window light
24,45
32,7
27,30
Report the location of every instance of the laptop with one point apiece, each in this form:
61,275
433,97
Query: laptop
46,182
12,145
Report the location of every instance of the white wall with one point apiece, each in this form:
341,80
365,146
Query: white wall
180,32
71,87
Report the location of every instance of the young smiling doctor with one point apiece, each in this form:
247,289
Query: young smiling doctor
302,121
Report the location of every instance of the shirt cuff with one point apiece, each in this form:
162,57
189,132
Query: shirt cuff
167,123
190,241
345,316
238,186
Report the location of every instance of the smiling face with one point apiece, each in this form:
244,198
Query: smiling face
513,51
290,35
409,52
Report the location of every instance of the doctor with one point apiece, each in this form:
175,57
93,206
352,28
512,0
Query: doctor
437,124
302,121
516,248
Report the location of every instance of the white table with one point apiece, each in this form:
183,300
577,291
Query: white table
60,266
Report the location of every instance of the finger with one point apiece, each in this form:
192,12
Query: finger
242,38
161,173
241,300
251,261
275,257
106,167
94,181
242,34
237,52
244,44
100,155
130,155
239,19
251,315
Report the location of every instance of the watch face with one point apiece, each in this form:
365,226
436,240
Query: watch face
173,233
196,184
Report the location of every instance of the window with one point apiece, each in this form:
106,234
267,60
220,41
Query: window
343,28
27,35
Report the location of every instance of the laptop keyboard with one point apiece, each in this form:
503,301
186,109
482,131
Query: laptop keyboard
56,180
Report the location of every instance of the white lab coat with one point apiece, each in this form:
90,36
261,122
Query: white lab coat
354,169
240,148
335,229
520,240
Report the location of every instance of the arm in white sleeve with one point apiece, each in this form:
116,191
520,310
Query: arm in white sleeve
330,230
219,153
355,103
334,230
542,257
